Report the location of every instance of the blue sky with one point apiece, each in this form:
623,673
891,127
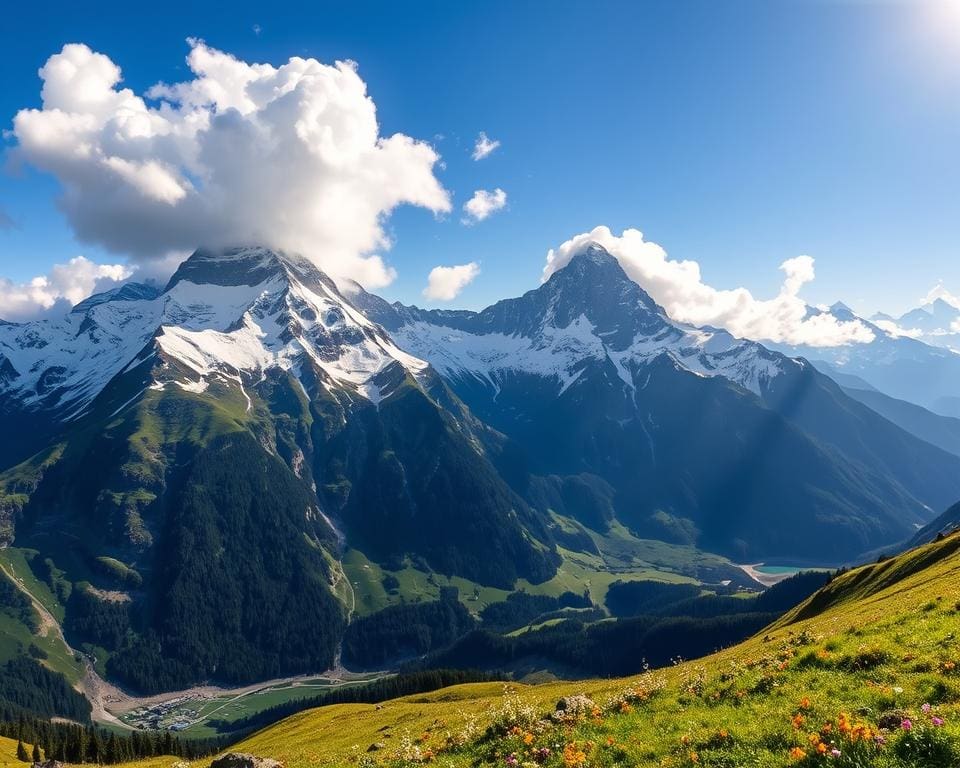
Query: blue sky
736,134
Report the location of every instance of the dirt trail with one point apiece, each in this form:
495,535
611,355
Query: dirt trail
91,685
103,694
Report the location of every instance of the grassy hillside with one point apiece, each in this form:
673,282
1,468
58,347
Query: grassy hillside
866,673
8,753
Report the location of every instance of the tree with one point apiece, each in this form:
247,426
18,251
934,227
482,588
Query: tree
37,757
22,755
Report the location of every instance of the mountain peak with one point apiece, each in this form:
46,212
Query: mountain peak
227,266
841,311
125,292
245,265
596,253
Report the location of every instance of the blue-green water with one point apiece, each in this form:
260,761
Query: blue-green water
777,569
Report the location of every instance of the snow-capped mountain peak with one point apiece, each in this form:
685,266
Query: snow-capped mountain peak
233,314
589,311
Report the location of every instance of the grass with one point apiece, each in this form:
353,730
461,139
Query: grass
844,670
16,561
8,753
626,558
16,637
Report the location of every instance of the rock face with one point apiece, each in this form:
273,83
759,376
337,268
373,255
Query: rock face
242,760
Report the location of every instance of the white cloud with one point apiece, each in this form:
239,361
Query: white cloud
483,204
287,156
896,331
445,283
679,288
67,284
484,146
939,292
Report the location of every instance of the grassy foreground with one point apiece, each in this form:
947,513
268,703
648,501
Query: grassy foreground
865,673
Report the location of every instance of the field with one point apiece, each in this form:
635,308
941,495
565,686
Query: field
14,636
626,558
866,673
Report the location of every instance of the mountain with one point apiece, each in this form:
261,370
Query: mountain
941,431
899,366
697,436
936,322
213,447
220,475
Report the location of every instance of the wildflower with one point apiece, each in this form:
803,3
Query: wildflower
797,754
835,752
694,757
948,666
821,748
512,761
724,733
528,738
925,708
805,703
937,721
573,756
906,724
798,720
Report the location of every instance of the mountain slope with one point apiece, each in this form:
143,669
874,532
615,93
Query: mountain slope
245,426
941,431
698,434
870,651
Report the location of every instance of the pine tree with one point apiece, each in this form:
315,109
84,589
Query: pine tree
22,755
113,750
37,757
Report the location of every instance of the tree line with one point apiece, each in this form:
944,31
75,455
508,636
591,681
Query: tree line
77,744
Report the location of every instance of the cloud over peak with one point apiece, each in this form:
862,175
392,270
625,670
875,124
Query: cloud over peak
679,288
940,292
289,156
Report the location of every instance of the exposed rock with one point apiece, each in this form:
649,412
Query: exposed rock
244,760
577,706
891,719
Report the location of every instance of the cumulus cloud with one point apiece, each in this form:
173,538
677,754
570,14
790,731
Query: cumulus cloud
483,204
66,284
287,156
484,146
891,327
679,288
445,283
940,292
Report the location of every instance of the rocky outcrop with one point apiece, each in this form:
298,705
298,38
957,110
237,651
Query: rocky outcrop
244,760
